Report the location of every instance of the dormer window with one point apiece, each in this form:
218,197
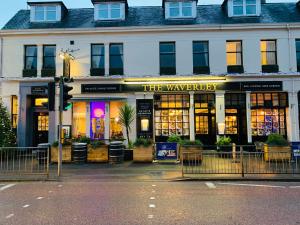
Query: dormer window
47,12
181,9
110,11
244,8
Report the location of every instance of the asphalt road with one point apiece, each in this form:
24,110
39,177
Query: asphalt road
135,203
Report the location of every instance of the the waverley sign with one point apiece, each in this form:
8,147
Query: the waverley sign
179,87
183,87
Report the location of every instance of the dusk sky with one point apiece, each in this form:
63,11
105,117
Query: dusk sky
12,6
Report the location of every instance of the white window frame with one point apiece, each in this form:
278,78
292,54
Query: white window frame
244,5
180,6
109,8
33,10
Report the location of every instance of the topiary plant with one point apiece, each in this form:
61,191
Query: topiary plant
174,139
276,140
224,141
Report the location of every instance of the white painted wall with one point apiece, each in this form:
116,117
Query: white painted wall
141,50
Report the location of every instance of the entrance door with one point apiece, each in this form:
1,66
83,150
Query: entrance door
235,117
205,118
41,127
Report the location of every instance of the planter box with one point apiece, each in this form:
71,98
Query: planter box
143,154
66,154
194,153
99,154
277,153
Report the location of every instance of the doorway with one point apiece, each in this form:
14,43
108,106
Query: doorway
40,127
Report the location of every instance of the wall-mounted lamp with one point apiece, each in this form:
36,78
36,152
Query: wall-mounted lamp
221,128
145,125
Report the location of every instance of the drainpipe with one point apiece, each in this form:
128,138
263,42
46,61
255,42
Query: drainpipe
290,50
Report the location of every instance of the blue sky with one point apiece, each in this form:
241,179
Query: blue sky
12,6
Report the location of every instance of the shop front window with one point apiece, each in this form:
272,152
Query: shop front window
116,129
97,120
14,111
172,115
268,113
79,119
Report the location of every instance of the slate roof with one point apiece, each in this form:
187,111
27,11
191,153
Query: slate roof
154,16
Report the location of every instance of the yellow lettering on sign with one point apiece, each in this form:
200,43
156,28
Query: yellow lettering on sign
152,87
188,87
170,87
145,87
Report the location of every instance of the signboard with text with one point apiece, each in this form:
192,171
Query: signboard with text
166,151
183,87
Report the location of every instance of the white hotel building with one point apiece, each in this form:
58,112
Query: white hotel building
185,68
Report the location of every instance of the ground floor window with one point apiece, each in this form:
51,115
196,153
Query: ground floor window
97,120
268,113
14,111
172,115
79,119
268,121
99,113
116,129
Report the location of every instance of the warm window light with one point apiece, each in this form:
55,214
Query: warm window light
221,128
145,124
117,119
40,101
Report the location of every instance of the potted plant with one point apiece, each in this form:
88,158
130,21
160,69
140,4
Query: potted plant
224,145
97,151
143,150
277,148
191,150
174,139
66,151
126,117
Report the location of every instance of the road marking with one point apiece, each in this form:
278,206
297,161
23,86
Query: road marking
7,186
60,186
151,206
153,191
210,185
50,191
253,185
9,216
152,198
294,186
39,198
26,206
153,185
150,216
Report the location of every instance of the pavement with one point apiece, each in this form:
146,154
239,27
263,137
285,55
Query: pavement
113,202
130,171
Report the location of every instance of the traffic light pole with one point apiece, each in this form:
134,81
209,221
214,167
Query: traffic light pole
59,161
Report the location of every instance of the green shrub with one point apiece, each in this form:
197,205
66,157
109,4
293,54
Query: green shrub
174,139
82,139
276,140
145,142
66,143
188,142
96,143
224,141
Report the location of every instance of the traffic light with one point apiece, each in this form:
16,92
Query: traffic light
66,97
50,105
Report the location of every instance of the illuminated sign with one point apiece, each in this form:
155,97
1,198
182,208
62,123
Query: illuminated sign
179,87
182,87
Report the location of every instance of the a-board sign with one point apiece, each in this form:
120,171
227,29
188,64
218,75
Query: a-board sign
166,151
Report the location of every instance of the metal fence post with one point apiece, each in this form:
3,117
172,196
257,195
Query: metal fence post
242,161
